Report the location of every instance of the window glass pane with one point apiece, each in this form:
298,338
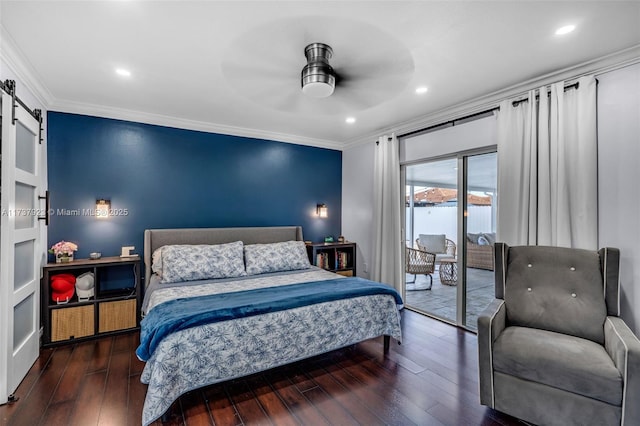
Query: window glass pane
23,264
431,222
22,322
481,234
25,149
24,206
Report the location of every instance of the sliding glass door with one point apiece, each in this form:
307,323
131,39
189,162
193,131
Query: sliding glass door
480,234
449,231
431,234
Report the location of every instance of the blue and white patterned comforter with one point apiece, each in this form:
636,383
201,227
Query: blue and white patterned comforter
212,353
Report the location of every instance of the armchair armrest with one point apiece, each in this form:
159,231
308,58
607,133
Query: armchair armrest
624,348
491,322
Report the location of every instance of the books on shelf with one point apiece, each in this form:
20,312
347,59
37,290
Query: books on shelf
341,260
322,260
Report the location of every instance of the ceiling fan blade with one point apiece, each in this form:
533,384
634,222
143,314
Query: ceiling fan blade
265,64
239,71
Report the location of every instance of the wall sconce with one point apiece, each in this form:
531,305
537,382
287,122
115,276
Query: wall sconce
321,210
102,208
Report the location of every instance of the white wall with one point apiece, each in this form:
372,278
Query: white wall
462,137
357,203
618,177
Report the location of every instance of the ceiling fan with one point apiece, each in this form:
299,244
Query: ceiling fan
318,78
356,66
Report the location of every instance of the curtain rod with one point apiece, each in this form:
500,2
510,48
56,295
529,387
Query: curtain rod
456,121
567,87
452,123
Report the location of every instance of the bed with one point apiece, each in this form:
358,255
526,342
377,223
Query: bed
207,324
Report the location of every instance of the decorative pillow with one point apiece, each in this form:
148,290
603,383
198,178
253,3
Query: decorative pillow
483,241
201,262
276,257
473,238
156,262
490,237
433,243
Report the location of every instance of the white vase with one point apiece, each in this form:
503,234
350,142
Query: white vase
64,259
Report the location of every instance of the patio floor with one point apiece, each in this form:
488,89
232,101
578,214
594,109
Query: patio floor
440,301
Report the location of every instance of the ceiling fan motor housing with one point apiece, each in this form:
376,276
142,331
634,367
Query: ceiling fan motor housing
318,78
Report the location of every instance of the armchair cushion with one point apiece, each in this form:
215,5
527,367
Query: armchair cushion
557,290
564,362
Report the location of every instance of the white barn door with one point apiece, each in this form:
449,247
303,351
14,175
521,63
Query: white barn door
21,248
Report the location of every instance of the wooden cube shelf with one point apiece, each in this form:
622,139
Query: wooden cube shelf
107,312
335,257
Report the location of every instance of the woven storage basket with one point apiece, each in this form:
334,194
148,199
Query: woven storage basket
72,323
118,315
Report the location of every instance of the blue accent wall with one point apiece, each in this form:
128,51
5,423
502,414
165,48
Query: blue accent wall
161,177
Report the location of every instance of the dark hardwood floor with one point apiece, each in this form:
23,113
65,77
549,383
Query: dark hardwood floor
431,379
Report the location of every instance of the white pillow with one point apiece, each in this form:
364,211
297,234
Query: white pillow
156,261
482,241
201,262
276,257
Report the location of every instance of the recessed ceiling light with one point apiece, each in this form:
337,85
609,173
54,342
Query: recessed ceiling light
565,30
422,89
350,120
123,73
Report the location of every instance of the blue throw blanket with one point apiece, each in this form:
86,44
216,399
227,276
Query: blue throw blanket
181,314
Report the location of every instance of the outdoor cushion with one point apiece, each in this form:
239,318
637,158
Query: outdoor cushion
558,360
490,237
433,243
483,241
473,238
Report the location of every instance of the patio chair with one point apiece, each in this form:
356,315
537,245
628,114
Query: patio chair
440,245
419,262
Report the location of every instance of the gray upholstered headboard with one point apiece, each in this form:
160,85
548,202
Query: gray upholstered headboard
156,238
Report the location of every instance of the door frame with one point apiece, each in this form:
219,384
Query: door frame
461,243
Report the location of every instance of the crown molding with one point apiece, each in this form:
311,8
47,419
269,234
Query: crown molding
20,66
13,57
183,123
598,66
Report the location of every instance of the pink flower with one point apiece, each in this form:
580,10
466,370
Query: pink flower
63,247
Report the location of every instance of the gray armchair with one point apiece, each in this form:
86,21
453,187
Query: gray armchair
552,349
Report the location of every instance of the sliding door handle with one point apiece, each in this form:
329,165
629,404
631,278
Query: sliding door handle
46,207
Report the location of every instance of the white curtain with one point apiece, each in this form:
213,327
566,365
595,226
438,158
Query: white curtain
547,168
387,260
